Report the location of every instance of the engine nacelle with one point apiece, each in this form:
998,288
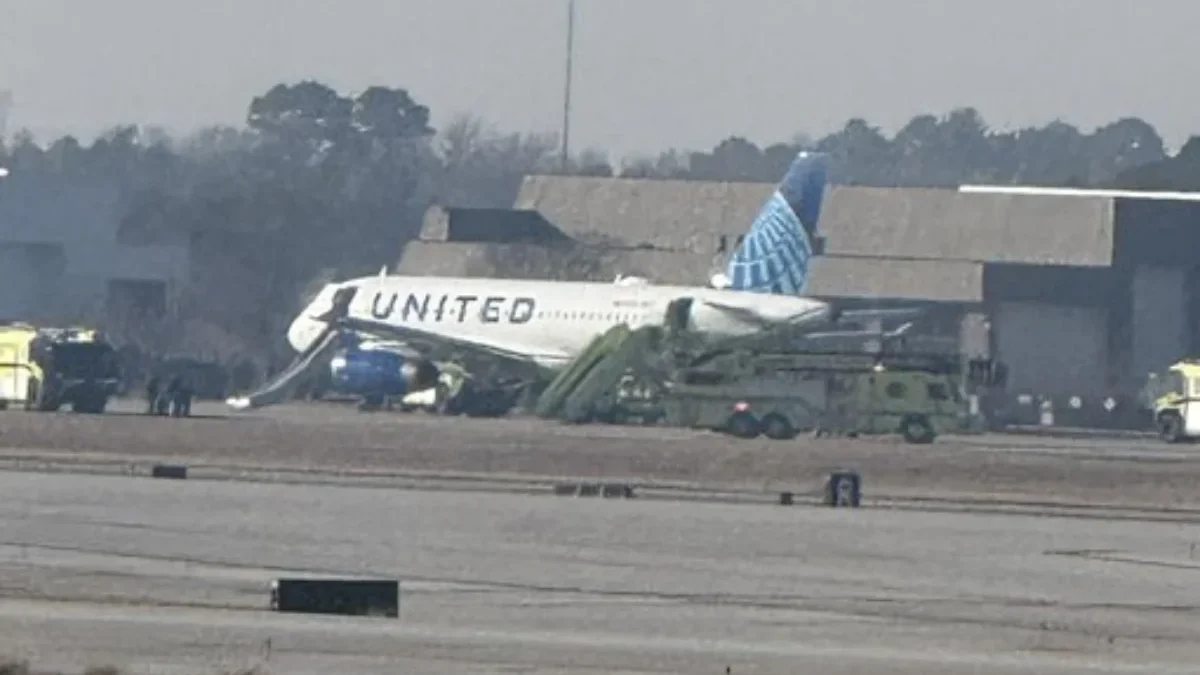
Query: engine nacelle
379,372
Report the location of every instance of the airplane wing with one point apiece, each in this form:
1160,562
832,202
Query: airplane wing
741,314
749,316
811,328
434,345
768,331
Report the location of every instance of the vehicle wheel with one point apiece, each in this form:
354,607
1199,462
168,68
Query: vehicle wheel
777,428
97,403
1170,428
744,425
917,430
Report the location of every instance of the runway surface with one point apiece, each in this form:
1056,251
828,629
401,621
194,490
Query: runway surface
172,575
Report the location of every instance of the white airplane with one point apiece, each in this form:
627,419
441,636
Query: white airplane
388,336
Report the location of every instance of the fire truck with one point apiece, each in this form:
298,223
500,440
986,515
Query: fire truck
44,368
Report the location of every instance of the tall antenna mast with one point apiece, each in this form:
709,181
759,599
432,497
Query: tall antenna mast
6,103
566,124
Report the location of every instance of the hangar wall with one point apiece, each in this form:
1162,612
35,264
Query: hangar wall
1051,349
30,277
1159,319
1051,325
64,232
1155,246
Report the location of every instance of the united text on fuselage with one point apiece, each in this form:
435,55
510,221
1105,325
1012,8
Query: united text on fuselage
450,307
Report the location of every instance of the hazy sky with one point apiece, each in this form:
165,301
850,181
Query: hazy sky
650,74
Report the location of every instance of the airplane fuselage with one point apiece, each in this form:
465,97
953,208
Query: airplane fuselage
549,321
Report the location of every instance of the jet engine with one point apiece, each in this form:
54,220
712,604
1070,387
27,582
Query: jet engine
377,373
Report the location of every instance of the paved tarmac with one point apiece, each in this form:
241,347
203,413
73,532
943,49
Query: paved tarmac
172,575
336,439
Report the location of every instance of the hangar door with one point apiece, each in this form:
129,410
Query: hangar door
1160,316
1052,349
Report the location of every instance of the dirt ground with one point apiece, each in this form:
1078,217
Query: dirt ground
1144,473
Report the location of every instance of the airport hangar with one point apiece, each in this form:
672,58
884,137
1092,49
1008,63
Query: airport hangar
1078,295
62,255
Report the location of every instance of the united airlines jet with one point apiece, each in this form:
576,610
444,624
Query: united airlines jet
386,336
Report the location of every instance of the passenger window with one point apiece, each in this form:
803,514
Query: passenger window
896,390
937,392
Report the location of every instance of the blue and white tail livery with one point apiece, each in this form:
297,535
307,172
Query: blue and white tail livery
774,255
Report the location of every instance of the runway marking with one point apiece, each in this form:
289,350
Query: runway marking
1105,555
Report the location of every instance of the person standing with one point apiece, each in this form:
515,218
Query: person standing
152,392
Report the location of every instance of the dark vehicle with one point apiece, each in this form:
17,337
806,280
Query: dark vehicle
82,373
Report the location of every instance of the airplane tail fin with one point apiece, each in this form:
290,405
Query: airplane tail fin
774,255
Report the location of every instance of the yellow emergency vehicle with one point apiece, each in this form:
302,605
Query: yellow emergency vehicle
1174,396
44,368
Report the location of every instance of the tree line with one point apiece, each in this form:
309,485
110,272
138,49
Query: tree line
318,183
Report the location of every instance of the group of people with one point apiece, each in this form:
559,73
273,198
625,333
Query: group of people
174,400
